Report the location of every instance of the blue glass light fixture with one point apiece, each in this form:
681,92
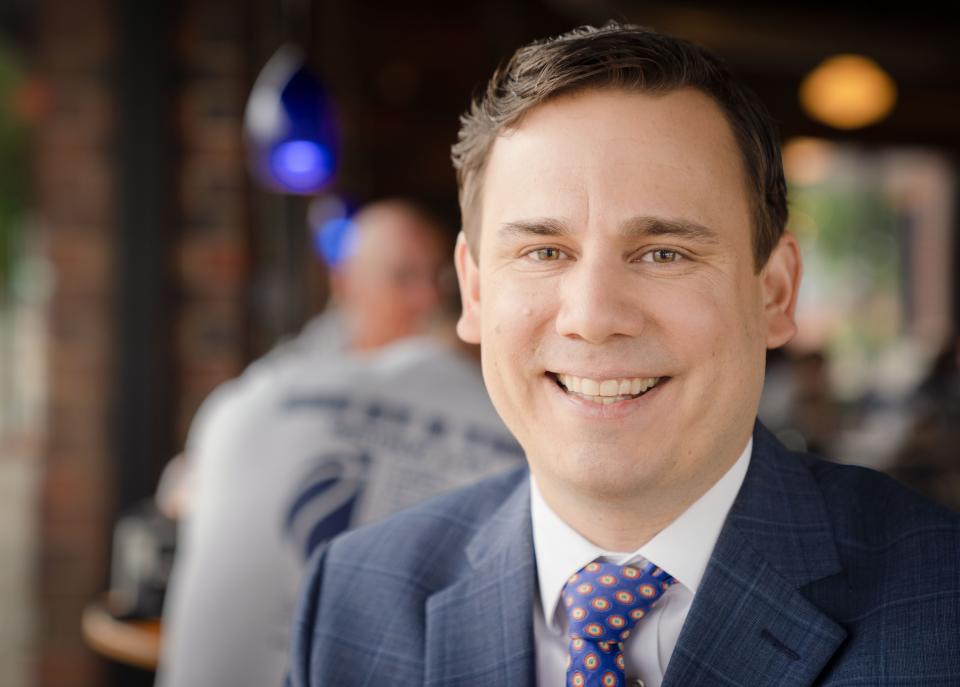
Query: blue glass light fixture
289,127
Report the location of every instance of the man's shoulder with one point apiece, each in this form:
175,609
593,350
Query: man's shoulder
396,563
866,510
896,546
872,511
814,516
432,535
862,558
897,580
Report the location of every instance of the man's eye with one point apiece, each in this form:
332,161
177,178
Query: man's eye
546,254
662,256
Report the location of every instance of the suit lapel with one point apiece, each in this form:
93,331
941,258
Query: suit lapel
750,623
480,630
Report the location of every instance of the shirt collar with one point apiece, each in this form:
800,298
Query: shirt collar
682,548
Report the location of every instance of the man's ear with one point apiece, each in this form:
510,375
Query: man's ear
468,327
781,283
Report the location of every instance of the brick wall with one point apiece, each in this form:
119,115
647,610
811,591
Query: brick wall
75,203
76,183
213,256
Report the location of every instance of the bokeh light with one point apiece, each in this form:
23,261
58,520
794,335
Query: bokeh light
848,92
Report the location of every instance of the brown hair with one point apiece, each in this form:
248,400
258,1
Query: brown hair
627,57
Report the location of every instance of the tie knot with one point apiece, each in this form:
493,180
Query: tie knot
605,600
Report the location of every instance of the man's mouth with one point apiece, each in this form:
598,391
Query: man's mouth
606,391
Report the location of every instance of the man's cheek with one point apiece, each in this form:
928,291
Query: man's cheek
518,305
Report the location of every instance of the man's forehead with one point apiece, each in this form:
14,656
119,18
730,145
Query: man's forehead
596,110
631,155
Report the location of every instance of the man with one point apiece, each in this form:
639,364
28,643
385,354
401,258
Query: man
624,265
383,288
226,617
300,456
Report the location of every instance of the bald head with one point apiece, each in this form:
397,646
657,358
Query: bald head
387,288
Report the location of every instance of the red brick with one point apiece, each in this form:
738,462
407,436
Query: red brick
212,194
75,36
69,664
80,115
213,266
85,264
75,191
211,112
73,500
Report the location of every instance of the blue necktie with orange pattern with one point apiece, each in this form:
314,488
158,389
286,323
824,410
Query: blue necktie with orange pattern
603,602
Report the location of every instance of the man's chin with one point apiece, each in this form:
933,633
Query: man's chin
605,471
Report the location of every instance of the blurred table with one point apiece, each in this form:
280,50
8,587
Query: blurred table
131,642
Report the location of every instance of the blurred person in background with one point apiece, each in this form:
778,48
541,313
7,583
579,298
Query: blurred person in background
316,440
929,459
798,404
817,414
385,286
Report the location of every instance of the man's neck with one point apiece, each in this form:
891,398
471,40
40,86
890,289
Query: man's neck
602,522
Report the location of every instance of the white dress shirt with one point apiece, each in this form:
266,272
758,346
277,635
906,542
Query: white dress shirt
682,548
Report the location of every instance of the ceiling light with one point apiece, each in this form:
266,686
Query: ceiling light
848,92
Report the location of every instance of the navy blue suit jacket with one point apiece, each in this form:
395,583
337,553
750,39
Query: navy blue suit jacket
823,575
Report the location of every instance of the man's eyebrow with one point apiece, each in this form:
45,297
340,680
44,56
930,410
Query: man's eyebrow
542,226
661,226
635,227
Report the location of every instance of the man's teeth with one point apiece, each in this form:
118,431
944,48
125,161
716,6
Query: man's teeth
607,391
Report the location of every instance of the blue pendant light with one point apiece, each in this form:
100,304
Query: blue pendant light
290,132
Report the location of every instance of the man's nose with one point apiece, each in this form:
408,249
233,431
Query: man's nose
596,303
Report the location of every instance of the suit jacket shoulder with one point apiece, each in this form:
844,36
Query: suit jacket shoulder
822,575
899,594
825,574
874,512
366,601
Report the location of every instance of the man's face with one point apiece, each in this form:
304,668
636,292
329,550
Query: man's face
615,253
390,286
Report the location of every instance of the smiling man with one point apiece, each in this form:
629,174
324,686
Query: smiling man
624,265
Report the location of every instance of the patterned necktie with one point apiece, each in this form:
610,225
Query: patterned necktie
603,602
